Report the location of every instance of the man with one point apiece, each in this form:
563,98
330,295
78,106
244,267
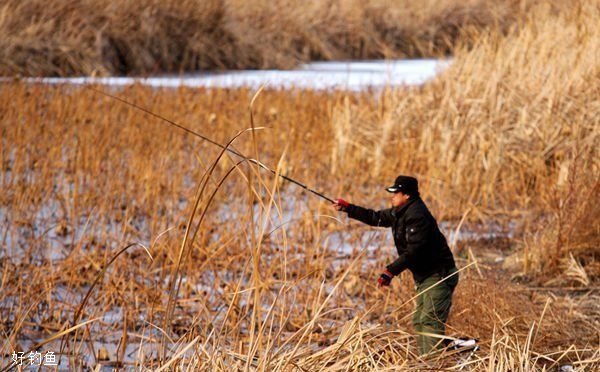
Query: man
422,249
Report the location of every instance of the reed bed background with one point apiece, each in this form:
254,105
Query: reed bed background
101,37
236,270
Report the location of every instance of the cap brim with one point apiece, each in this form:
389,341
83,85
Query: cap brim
393,189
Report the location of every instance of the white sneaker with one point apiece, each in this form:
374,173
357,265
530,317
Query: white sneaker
467,344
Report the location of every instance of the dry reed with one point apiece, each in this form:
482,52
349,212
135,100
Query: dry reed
273,279
83,37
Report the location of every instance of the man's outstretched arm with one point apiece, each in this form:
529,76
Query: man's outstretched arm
382,218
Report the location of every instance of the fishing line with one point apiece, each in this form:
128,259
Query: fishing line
177,125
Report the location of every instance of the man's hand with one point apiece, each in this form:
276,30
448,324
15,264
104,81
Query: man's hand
385,278
340,205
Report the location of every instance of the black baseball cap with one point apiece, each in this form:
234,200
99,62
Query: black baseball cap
404,184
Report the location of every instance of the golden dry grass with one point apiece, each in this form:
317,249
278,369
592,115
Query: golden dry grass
83,37
508,135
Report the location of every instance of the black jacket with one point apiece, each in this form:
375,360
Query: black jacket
421,245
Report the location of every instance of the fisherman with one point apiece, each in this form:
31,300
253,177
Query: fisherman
422,248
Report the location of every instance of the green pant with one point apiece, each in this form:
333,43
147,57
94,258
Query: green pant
433,308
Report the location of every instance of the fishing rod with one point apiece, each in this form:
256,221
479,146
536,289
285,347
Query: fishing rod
177,125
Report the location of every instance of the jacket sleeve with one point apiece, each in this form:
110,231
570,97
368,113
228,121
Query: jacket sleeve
382,218
418,231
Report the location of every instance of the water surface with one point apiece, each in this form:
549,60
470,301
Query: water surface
352,75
